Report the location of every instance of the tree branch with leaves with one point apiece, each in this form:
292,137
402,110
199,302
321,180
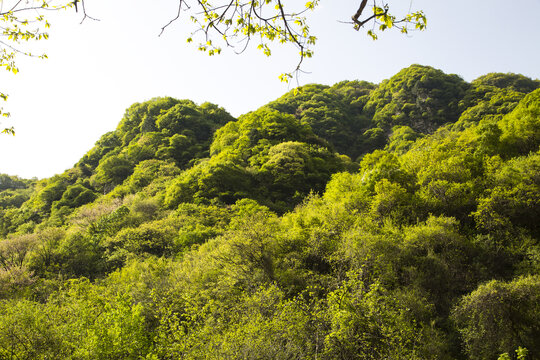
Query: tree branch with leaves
21,22
236,24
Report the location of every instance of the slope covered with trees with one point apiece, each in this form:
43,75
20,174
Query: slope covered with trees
354,221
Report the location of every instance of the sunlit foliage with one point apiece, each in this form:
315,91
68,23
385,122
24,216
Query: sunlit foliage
188,234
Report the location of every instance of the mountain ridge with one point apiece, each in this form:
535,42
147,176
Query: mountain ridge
353,221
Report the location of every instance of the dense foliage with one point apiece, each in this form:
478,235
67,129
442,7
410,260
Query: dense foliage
354,221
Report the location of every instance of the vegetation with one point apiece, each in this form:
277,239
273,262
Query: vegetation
356,221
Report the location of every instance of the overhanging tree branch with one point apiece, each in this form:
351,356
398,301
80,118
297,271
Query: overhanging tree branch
234,22
23,22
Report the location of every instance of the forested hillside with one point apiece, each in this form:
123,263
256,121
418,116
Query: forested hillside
398,220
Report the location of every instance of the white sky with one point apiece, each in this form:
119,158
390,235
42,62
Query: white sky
61,106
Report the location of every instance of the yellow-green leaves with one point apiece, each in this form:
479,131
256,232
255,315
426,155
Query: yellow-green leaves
236,24
9,131
20,25
384,20
285,77
5,114
265,49
311,4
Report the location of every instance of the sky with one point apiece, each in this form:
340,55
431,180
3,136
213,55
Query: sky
95,70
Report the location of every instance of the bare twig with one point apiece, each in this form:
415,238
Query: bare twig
86,14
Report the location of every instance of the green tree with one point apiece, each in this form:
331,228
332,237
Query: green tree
334,113
107,143
513,198
28,331
515,82
420,97
521,128
370,322
212,179
500,316
15,277
112,171
293,169
141,117
75,196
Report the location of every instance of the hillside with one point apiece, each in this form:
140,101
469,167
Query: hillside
356,221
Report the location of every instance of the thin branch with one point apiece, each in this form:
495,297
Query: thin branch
175,18
40,8
14,49
85,14
15,6
293,36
